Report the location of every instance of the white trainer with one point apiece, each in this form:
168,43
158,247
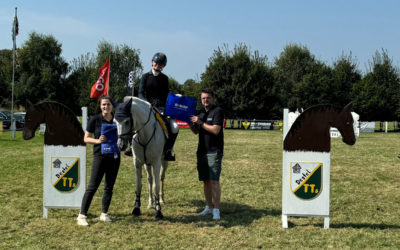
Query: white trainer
104,217
215,212
206,210
82,220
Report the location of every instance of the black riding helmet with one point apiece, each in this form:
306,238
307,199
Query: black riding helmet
160,58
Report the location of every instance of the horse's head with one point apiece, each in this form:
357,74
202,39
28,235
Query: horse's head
33,118
344,124
123,120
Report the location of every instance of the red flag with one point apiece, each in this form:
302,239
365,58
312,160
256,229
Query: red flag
101,86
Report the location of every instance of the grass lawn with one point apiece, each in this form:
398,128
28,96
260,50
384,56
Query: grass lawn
364,206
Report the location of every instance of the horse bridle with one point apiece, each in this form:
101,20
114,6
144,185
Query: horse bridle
131,125
129,133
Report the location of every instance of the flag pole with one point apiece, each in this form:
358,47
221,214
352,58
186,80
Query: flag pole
13,73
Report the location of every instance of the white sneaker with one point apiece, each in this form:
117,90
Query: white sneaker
206,210
104,217
82,220
215,212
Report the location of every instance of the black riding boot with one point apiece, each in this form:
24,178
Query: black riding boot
169,154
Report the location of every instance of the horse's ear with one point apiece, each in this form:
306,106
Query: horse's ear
28,105
115,104
128,105
348,107
129,102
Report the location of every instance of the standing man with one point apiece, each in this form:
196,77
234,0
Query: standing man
208,123
154,88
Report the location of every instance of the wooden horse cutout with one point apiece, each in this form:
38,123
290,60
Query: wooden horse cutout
62,126
310,131
306,160
64,160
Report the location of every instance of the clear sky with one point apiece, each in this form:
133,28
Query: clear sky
189,31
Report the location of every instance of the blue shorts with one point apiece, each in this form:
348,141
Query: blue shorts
209,166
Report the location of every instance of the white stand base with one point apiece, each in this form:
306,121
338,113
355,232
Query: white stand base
286,225
284,221
326,222
45,212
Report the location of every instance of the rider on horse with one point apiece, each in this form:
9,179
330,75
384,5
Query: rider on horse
154,88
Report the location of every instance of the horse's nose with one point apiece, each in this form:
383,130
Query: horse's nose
349,142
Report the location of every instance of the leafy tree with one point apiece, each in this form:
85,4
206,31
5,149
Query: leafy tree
192,88
82,77
5,77
345,74
42,70
242,82
218,77
377,95
293,64
314,88
84,72
123,59
174,86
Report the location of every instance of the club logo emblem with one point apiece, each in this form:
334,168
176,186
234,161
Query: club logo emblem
306,179
65,173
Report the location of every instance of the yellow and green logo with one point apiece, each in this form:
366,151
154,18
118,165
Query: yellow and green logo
246,125
65,173
306,179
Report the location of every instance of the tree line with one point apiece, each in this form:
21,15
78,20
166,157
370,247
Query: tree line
246,84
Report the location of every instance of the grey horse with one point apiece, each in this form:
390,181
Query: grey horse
137,117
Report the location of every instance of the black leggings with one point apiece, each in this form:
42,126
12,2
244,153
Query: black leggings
101,166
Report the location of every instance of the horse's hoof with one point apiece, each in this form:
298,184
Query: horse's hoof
159,215
136,211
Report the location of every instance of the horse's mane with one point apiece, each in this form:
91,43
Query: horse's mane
63,111
313,109
138,100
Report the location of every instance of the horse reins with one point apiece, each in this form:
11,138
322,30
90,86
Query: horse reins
137,131
131,125
144,125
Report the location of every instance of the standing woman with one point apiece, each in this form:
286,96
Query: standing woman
103,164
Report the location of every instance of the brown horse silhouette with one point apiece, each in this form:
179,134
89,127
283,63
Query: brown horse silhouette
310,131
62,126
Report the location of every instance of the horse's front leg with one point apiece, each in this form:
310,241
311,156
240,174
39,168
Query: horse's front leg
138,171
164,167
156,184
149,181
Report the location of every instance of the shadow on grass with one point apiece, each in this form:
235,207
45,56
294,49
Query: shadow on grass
365,225
232,214
7,139
311,222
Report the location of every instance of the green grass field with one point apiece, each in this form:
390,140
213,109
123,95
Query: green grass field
364,206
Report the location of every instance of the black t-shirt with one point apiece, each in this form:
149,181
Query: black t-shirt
154,88
94,127
208,142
